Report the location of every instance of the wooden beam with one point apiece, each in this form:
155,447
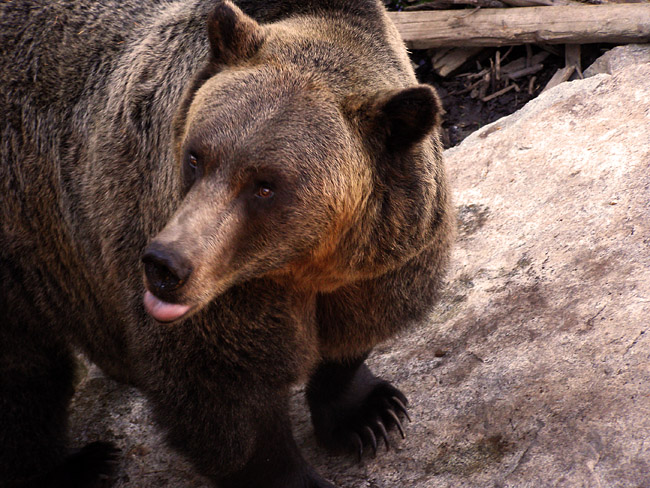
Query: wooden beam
445,4
447,60
572,58
525,62
564,24
560,76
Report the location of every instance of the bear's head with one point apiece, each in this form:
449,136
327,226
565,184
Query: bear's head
289,170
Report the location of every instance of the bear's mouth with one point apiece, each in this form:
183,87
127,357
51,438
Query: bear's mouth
164,312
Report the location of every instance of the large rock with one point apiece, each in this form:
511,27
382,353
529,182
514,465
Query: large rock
546,379
534,371
619,58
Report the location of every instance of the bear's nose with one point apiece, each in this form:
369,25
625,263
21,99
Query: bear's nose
165,269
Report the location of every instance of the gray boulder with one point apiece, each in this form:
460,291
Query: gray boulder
618,58
534,370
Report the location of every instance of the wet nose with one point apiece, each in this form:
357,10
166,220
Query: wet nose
165,269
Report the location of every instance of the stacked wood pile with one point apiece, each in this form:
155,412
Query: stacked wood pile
458,30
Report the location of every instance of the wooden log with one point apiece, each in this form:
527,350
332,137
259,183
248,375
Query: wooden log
522,63
565,24
560,76
445,4
498,93
572,58
445,62
534,3
527,3
526,71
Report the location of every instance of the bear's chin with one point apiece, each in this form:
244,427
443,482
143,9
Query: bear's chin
164,312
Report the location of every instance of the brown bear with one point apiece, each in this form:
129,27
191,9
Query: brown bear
213,202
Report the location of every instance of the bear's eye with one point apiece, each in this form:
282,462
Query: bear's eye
264,191
192,161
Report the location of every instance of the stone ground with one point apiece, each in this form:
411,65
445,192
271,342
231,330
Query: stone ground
534,370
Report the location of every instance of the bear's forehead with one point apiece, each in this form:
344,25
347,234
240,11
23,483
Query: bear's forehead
264,111
240,92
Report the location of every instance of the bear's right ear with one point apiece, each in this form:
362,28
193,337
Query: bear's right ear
403,117
233,35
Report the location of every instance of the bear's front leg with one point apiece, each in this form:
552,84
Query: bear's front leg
275,461
352,408
237,441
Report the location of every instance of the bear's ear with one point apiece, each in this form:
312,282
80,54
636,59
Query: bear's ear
406,116
233,34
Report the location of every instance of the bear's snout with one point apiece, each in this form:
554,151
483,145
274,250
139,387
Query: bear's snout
165,269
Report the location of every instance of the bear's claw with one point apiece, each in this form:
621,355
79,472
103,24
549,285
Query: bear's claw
401,407
393,415
384,414
91,465
356,420
383,432
95,461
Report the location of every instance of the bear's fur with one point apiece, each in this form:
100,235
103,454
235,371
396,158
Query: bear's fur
274,173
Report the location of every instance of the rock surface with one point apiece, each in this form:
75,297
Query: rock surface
534,370
619,58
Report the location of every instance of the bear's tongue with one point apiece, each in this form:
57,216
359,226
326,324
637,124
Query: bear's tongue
163,311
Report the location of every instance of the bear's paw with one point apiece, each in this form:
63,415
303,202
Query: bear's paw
361,417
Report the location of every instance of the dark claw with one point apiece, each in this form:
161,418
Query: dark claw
397,422
384,433
373,440
359,442
401,407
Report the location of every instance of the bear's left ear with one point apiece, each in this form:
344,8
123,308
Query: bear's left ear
406,116
233,35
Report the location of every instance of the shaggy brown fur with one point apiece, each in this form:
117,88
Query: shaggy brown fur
278,171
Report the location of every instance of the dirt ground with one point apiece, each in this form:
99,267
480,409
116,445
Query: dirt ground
465,111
